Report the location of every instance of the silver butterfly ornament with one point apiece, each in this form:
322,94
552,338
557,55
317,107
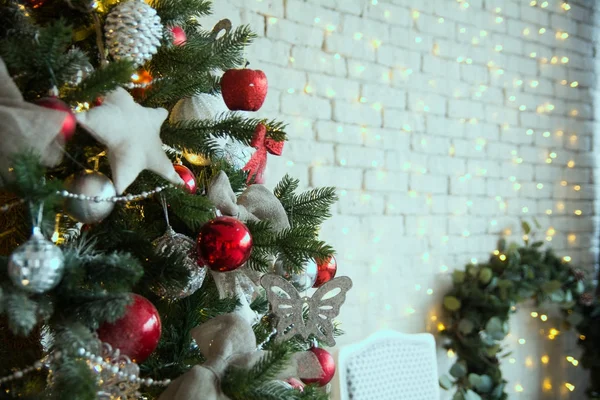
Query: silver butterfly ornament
288,306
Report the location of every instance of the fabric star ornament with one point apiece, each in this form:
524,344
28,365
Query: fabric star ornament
131,134
26,127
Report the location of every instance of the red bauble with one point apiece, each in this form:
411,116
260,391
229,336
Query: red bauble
70,123
244,89
224,244
137,333
189,179
36,3
179,36
327,365
325,271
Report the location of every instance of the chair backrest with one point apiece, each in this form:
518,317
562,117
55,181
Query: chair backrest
390,366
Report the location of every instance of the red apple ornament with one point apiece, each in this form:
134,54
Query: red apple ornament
244,89
137,333
327,365
224,244
189,179
70,122
326,270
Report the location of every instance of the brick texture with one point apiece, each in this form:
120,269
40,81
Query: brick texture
443,124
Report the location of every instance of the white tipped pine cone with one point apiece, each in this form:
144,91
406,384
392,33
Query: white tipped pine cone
133,32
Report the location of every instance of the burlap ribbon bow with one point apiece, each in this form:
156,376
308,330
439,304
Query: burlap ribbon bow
26,127
228,340
256,203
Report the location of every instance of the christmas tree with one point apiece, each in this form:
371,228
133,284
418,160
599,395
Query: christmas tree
142,257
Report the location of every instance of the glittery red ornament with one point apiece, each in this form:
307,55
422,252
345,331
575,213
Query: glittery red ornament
224,244
244,89
327,365
70,123
189,179
137,333
326,270
179,36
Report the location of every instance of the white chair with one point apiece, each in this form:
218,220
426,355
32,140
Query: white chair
389,366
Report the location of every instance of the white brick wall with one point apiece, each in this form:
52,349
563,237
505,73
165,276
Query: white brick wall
443,123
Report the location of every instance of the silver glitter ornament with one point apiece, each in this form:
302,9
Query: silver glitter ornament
83,71
302,281
171,243
93,184
133,32
289,307
37,265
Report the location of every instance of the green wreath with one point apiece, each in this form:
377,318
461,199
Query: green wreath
484,295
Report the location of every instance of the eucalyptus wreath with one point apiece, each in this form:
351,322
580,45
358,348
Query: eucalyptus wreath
485,294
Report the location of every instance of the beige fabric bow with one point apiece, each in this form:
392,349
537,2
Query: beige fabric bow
256,203
26,127
228,340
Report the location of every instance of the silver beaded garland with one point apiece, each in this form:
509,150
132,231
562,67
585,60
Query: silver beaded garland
85,185
133,31
37,265
171,243
302,281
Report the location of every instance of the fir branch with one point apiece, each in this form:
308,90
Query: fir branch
74,377
310,208
260,304
72,335
228,52
21,312
297,245
101,81
240,384
173,12
193,210
194,134
286,188
42,60
172,88
94,310
166,273
263,245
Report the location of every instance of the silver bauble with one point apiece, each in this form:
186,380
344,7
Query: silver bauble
172,242
133,32
93,184
83,71
37,265
302,281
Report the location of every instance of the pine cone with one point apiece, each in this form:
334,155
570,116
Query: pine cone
586,299
133,32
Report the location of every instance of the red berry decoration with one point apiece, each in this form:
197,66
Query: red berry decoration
179,36
70,123
327,365
224,244
189,179
244,89
325,271
137,333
